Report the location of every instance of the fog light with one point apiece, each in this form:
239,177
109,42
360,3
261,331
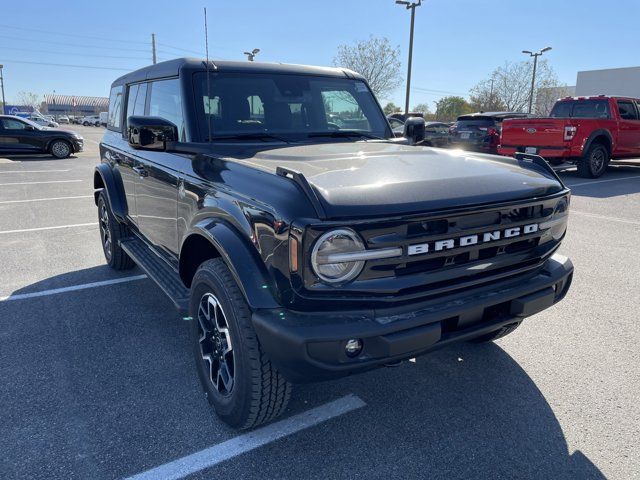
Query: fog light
353,347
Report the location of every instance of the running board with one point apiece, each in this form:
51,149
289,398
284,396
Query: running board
159,271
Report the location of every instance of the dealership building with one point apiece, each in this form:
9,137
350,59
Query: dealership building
55,104
624,82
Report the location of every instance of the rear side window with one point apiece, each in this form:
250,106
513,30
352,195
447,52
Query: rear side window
114,121
165,101
581,109
627,110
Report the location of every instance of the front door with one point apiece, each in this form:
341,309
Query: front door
18,136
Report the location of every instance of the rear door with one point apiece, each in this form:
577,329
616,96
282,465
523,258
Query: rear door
628,128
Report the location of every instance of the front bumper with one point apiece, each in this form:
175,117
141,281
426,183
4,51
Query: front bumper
78,145
311,346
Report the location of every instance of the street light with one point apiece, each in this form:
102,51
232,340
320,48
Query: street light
409,6
252,54
4,104
535,56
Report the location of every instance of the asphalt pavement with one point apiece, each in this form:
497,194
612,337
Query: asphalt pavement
98,379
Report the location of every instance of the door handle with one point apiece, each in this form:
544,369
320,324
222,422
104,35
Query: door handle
140,171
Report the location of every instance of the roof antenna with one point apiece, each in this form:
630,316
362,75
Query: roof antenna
206,47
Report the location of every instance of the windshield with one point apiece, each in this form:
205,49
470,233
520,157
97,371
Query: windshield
581,109
284,106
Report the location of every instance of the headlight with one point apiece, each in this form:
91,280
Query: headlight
557,225
330,256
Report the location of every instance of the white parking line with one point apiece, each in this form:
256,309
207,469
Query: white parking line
593,182
44,199
73,288
212,456
24,230
604,217
33,171
40,183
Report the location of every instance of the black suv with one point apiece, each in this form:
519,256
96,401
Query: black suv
303,241
480,132
20,135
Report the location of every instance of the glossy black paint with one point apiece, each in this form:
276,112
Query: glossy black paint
32,139
246,199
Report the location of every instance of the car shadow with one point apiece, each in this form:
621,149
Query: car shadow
467,411
33,157
472,404
601,189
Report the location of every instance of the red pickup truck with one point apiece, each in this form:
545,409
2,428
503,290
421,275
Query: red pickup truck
587,131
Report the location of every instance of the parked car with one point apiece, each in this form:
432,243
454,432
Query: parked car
103,118
91,120
397,126
300,251
63,119
480,132
436,133
44,122
75,119
21,135
585,131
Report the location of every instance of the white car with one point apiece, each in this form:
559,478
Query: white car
43,121
91,120
63,119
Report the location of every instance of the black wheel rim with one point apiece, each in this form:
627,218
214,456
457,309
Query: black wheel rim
597,160
105,233
215,344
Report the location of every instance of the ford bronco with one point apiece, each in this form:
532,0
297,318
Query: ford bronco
302,240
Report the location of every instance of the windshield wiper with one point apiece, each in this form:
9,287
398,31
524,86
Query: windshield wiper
249,136
345,134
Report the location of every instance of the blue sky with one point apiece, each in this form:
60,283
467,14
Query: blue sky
457,42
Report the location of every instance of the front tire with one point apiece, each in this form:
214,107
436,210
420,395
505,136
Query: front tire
240,382
60,149
594,163
111,232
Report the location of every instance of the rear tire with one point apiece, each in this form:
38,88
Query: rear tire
502,332
594,162
111,232
240,382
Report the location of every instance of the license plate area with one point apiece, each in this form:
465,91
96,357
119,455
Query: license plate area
532,150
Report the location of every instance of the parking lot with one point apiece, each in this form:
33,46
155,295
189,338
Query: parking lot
98,379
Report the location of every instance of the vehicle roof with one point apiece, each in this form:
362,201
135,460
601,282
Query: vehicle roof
470,116
596,97
172,68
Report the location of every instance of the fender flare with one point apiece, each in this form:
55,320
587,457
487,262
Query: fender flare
105,179
243,261
597,133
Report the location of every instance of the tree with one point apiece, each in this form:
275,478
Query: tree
376,60
509,86
421,108
29,99
390,108
449,108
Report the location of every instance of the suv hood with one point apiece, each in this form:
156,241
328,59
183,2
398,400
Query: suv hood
384,178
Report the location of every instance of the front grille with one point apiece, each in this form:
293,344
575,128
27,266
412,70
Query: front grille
458,266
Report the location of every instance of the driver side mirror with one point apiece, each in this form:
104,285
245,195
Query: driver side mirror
29,128
414,130
150,133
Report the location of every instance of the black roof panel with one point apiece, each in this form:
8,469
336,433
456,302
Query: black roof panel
172,68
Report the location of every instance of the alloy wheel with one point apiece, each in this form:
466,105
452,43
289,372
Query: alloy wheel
105,233
60,149
215,343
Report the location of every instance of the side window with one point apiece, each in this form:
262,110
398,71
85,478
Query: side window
627,110
136,100
11,124
114,120
165,101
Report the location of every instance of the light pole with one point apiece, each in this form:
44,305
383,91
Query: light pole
4,104
535,56
252,54
409,6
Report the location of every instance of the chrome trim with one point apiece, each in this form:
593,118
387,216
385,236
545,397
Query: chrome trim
361,256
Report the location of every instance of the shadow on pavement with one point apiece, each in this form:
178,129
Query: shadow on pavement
119,372
628,182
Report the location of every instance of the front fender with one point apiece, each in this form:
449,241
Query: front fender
243,260
104,178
